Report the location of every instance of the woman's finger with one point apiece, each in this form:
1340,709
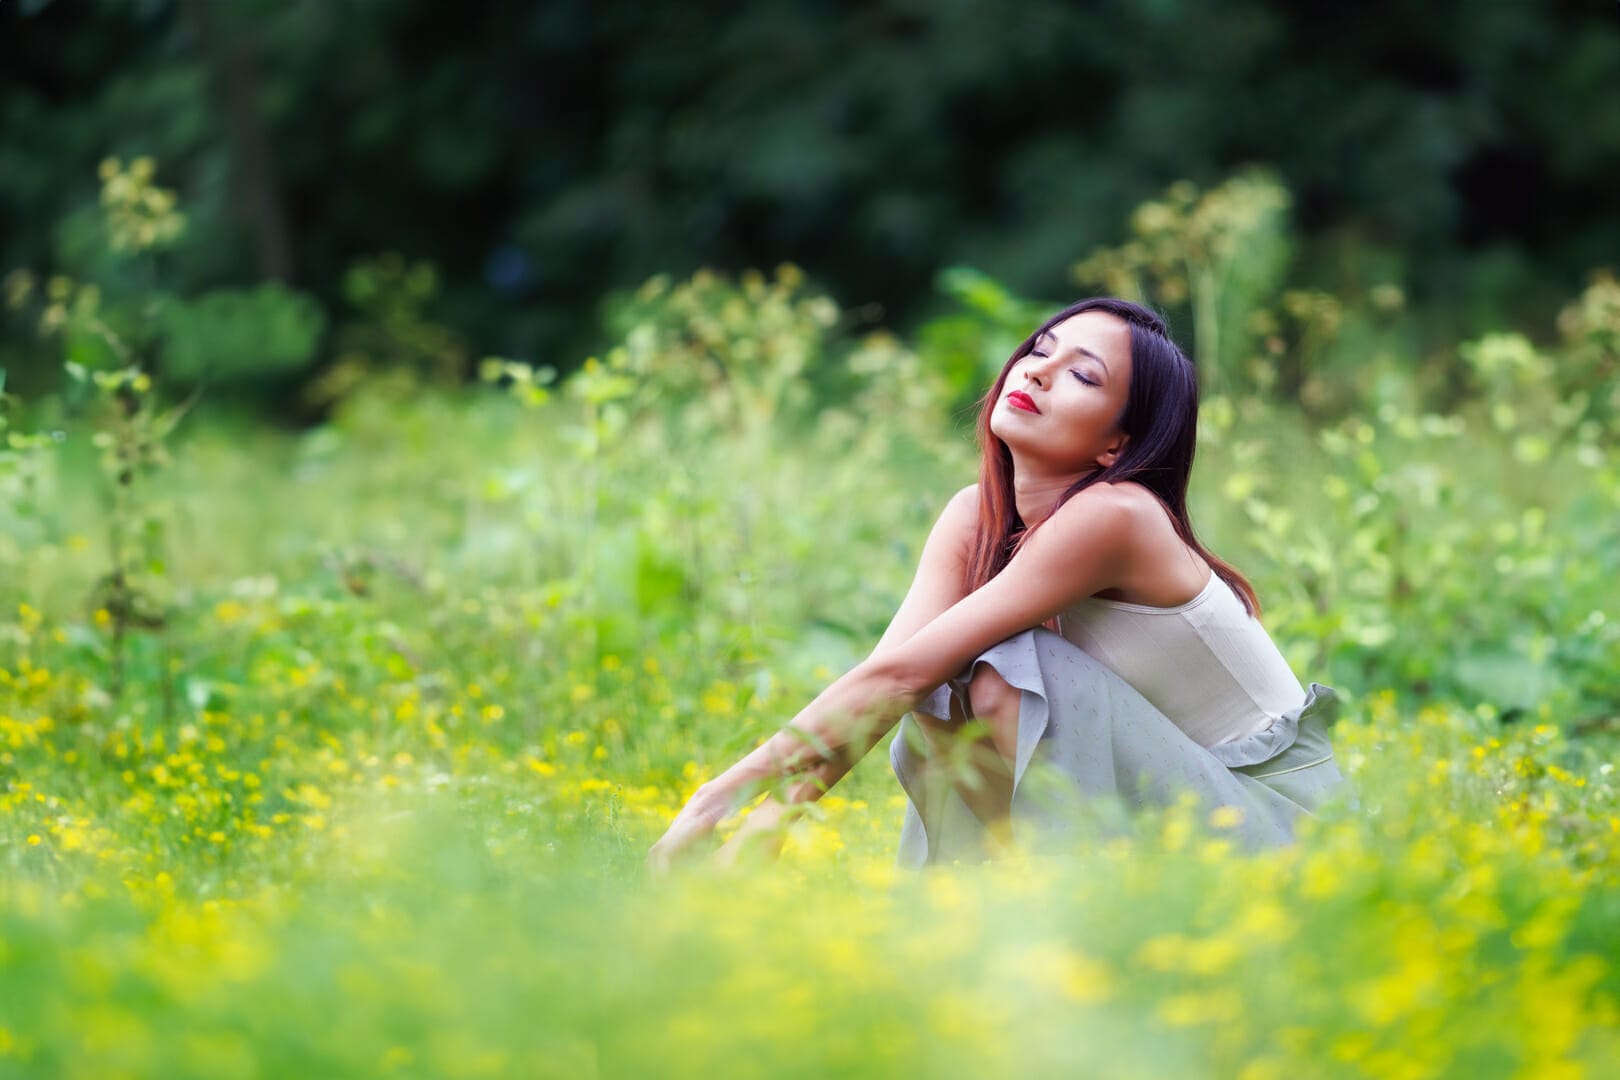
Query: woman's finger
680,836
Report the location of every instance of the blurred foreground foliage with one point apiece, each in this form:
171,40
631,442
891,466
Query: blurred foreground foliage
372,794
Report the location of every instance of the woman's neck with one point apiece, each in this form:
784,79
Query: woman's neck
1036,493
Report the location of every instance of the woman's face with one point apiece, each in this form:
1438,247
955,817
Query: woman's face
1060,405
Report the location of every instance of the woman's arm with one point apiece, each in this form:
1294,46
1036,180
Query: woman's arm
1081,549
941,578
939,582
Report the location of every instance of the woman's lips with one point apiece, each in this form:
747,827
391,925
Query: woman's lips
1020,400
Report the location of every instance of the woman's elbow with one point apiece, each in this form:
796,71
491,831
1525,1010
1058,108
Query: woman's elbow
893,680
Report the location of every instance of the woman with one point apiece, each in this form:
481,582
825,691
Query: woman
1063,614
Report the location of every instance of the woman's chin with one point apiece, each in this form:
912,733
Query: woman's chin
1015,434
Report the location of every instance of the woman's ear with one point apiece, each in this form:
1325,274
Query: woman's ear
1107,458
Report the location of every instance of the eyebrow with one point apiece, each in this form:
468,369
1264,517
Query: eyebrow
1081,349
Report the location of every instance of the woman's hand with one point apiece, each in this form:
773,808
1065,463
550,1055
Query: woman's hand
760,835
697,819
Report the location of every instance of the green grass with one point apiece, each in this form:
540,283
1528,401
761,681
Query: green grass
375,799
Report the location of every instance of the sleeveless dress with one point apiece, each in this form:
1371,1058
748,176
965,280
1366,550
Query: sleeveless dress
1128,706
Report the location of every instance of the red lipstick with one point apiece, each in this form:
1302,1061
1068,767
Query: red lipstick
1020,400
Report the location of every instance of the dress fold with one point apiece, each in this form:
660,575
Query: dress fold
1091,749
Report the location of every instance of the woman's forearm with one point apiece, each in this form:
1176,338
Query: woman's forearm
816,781
826,739
763,824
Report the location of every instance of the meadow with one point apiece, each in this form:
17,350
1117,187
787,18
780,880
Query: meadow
338,751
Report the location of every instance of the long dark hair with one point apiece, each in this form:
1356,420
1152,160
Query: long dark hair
1161,418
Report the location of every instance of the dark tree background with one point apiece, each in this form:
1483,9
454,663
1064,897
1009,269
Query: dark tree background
545,154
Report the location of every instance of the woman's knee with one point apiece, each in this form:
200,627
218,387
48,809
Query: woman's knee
990,694
996,702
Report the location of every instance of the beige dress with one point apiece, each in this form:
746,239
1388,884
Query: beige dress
1133,705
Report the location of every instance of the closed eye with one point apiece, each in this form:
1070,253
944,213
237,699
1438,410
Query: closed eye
1083,377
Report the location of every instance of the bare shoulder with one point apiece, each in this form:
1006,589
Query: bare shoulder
951,538
1111,522
1084,546
960,515
959,520
1153,563
1136,500
964,505
1101,509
